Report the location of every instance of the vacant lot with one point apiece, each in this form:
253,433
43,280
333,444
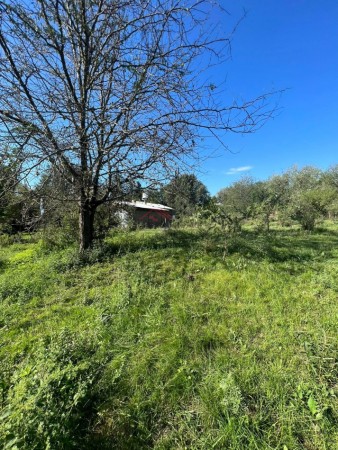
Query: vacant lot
171,339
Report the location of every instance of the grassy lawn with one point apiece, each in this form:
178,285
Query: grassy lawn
171,339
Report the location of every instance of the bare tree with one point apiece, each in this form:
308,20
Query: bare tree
109,91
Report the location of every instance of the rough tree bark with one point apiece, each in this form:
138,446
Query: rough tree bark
86,224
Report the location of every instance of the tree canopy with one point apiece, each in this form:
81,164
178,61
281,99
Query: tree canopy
185,193
109,92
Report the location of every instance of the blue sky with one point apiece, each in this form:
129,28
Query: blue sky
281,44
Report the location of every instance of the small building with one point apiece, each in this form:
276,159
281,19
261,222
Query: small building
149,215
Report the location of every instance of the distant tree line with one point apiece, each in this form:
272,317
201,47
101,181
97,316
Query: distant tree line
304,196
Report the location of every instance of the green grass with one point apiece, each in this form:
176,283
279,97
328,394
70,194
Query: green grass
171,339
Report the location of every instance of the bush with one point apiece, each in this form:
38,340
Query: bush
55,237
7,240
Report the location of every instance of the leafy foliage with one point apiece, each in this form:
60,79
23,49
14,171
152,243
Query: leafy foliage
300,195
309,196
185,193
237,202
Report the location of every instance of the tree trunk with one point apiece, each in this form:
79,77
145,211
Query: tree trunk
86,225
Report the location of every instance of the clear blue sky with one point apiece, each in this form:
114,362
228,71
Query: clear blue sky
281,44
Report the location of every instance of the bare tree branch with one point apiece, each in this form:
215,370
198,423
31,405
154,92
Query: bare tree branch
112,91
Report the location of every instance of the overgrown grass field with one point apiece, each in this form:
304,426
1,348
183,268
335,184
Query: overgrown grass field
171,339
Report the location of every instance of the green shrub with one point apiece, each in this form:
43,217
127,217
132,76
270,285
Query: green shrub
54,237
9,239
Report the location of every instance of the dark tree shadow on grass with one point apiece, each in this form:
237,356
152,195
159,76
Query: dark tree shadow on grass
273,246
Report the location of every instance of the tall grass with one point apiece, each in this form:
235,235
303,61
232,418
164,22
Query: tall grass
172,339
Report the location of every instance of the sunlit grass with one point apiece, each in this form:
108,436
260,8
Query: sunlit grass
172,339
